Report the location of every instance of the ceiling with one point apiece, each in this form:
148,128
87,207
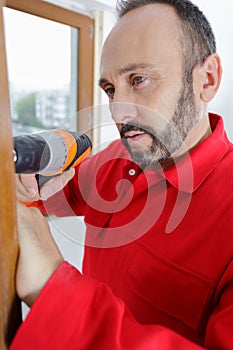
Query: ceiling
85,6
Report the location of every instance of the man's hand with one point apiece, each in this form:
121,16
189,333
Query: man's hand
28,191
39,255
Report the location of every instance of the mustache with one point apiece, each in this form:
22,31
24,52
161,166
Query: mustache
136,127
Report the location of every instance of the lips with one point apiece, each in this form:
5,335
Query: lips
133,134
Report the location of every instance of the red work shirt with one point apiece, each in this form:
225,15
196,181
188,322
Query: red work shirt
157,270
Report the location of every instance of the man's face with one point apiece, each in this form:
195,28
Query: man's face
151,100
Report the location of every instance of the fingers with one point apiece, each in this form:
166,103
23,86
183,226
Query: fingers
56,184
27,188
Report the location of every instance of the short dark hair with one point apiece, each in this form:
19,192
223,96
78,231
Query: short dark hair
197,36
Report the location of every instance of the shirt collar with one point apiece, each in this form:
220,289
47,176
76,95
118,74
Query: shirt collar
190,172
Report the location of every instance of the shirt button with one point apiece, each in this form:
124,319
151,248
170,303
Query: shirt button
132,172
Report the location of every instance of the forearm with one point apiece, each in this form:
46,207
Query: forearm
39,255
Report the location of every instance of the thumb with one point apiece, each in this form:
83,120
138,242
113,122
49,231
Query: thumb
29,182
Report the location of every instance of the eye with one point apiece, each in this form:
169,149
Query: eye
110,90
137,80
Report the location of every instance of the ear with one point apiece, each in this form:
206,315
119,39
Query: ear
212,74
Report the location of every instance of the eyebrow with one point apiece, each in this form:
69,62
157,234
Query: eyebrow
102,81
132,67
129,68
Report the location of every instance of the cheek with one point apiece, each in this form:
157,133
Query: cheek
161,103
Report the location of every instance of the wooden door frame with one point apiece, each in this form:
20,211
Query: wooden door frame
10,311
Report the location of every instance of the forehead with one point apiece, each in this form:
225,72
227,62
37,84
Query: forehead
149,34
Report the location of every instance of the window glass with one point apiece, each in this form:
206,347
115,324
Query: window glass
42,70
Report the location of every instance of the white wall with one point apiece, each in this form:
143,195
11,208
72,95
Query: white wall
220,15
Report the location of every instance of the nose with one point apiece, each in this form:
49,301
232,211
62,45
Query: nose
123,109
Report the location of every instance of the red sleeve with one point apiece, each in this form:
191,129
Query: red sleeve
75,312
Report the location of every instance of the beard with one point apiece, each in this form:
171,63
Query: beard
171,138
